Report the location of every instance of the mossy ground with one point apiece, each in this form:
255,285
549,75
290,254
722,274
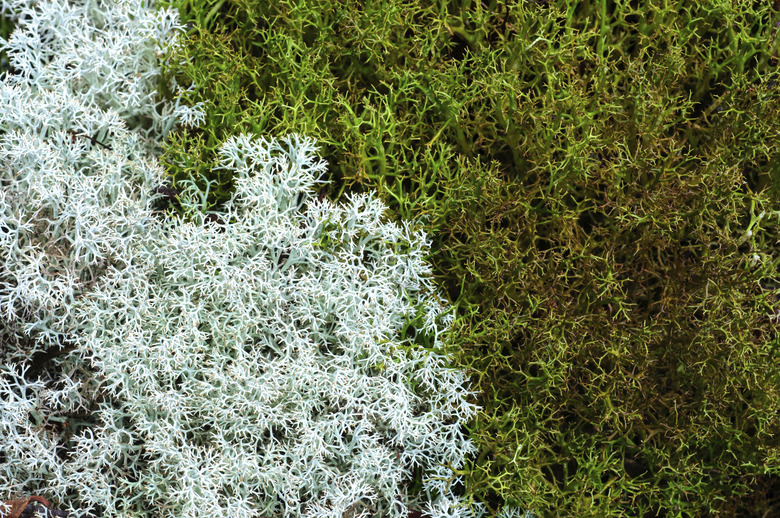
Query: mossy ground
589,172
600,180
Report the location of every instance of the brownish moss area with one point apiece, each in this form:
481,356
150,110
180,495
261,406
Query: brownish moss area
600,179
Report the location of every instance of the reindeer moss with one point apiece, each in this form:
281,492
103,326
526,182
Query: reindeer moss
594,175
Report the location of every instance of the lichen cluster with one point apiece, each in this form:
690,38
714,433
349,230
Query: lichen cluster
280,356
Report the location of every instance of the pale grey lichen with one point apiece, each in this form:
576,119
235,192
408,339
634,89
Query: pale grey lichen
248,365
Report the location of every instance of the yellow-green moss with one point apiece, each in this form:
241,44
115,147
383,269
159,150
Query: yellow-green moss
589,172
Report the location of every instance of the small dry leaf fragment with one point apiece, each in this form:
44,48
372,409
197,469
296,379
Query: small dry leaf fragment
18,505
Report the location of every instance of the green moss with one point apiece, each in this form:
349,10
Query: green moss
6,28
589,172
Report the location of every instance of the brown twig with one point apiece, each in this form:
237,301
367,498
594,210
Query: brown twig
91,139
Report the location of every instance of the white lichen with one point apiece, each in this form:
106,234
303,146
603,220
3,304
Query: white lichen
281,359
